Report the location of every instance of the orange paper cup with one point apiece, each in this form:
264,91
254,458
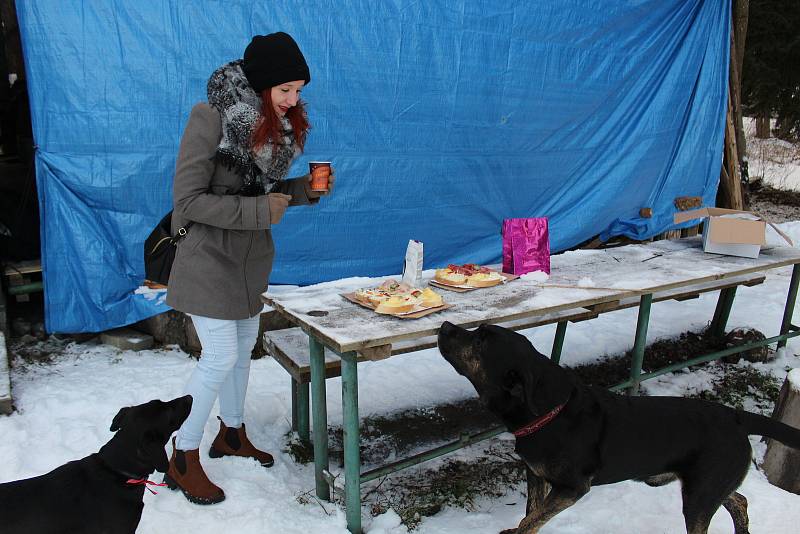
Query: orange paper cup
320,172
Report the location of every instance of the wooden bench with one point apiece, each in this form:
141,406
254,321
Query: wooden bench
20,282
289,347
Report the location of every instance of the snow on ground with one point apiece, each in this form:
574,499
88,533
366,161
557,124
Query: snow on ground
65,409
775,161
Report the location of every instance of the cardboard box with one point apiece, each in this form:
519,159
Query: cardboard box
731,232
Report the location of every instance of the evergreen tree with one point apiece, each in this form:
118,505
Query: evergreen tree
771,73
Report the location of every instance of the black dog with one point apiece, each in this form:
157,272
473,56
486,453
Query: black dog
572,436
97,494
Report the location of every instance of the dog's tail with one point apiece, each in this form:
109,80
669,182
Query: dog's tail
768,427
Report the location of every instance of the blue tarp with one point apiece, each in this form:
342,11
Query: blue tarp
442,118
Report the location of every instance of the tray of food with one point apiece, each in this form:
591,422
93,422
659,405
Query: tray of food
398,299
468,277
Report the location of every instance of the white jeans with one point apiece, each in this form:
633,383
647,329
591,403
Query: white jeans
223,370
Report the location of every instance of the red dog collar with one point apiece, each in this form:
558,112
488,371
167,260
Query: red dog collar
144,482
538,423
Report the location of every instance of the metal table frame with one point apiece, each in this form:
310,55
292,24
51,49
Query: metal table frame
353,477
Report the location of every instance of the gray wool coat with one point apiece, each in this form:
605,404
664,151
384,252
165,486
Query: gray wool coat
223,264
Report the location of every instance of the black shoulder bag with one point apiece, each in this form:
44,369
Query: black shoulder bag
159,250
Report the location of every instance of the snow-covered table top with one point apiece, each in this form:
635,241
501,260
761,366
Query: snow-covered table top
578,279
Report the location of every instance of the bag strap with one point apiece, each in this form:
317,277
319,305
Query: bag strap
182,232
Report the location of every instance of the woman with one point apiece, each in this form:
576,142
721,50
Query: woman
229,191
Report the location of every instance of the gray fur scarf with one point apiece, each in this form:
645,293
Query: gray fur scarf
239,108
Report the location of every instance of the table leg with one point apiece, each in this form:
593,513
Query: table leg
558,342
788,311
722,311
320,416
295,406
302,413
352,456
641,342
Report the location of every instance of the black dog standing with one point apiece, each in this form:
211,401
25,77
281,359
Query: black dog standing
103,492
572,436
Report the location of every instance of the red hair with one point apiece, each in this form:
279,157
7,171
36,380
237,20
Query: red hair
269,127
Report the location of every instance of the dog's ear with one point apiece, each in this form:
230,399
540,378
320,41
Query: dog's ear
154,453
544,390
116,424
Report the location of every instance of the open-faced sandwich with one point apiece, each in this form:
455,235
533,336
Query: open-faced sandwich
489,279
398,304
397,297
469,274
450,276
430,298
388,289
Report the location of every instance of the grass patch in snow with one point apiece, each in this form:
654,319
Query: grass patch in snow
611,370
742,386
301,453
27,350
456,482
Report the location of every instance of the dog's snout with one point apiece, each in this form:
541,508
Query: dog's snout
453,341
187,404
446,334
181,408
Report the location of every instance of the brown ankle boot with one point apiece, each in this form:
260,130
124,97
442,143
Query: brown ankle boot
234,442
186,473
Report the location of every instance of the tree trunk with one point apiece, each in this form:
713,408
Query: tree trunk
741,12
168,328
10,34
782,463
762,125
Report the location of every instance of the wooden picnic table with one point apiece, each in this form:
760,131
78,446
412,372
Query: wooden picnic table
592,281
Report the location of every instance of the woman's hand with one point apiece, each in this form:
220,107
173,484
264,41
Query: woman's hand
317,194
278,202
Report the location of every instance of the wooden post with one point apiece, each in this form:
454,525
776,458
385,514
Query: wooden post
782,463
729,194
741,11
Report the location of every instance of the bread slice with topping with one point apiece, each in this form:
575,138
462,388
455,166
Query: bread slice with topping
484,279
447,276
431,299
398,304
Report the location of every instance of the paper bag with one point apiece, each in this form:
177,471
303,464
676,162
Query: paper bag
412,267
526,246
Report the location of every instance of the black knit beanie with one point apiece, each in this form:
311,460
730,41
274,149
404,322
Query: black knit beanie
273,59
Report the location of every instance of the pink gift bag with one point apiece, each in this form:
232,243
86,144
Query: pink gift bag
526,245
